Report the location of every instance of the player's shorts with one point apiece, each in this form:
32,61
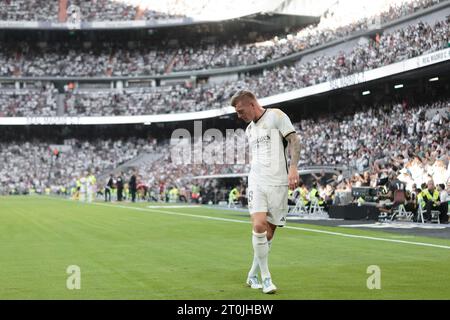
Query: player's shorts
270,199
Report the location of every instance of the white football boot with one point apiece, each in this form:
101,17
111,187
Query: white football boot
268,286
253,282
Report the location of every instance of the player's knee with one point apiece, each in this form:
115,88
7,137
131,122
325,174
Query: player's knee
259,226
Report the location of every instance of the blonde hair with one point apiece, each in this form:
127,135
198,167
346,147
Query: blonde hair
242,94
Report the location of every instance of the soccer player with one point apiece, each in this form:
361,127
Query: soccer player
83,187
269,133
91,184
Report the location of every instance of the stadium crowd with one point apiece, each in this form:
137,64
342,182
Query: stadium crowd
26,10
332,26
63,59
93,10
393,141
40,165
30,102
107,10
407,42
110,10
121,10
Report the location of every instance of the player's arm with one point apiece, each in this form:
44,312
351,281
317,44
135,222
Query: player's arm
294,150
287,130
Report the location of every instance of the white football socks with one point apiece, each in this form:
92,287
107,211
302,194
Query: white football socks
261,248
255,265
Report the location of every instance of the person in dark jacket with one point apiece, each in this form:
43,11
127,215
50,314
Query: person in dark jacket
108,187
133,186
119,186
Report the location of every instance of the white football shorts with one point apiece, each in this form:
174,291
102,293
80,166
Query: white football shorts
270,199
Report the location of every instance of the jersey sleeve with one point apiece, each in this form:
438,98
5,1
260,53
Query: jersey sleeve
284,124
247,132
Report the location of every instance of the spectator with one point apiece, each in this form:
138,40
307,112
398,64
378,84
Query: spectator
133,187
444,203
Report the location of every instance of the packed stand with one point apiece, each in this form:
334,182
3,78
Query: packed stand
395,142
108,59
29,10
399,45
408,42
126,10
331,27
379,144
41,165
28,103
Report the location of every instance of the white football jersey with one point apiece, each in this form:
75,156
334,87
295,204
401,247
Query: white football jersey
268,148
83,186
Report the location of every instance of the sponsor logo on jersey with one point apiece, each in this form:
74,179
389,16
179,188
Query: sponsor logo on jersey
263,139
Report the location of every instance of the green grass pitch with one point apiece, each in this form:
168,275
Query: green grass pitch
134,252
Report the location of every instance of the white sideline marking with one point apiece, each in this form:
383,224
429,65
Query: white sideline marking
171,207
286,227
396,225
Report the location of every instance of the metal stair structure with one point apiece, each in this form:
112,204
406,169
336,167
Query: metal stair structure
143,159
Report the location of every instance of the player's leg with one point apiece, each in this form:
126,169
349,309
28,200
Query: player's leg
428,208
257,205
443,212
260,243
270,232
276,216
261,229
255,265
